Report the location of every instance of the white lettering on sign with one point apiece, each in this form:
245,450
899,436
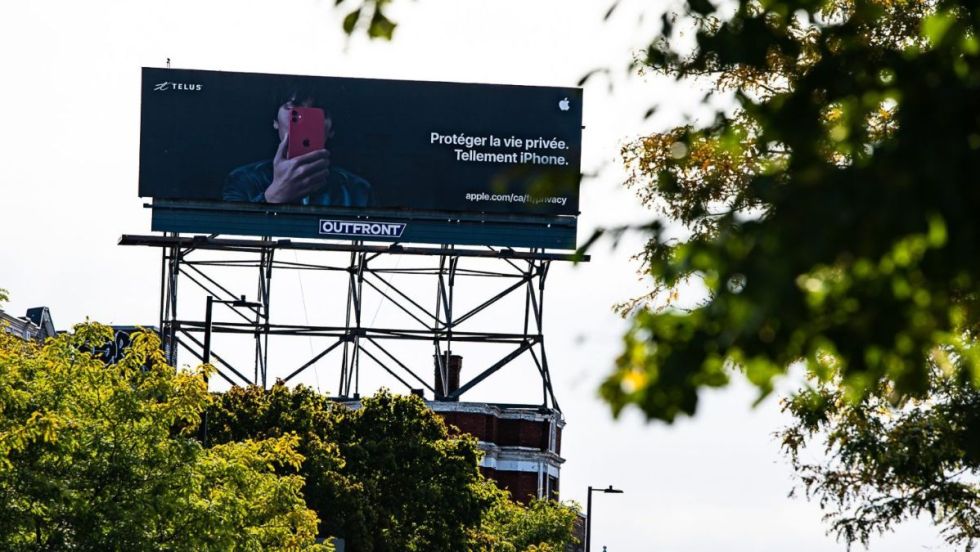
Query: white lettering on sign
350,228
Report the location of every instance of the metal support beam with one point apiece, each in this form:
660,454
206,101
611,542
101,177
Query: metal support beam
367,275
455,395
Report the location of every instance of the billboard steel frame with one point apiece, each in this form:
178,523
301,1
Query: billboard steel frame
185,261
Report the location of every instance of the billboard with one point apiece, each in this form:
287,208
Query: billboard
357,158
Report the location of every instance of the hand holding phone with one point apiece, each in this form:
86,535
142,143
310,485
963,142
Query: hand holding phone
307,131
295,179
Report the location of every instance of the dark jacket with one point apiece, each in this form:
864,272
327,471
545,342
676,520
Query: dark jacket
248,183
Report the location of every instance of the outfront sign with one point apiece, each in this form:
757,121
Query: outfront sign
301,144
367,229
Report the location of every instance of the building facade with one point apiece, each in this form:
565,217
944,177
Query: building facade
35,325
521,444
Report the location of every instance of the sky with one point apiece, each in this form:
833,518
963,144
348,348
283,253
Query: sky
69,100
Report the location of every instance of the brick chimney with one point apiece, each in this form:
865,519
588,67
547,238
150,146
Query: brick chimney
453,370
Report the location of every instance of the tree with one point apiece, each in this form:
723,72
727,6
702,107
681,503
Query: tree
885,463
102,457
369,16
422,480
834,98
389,475
385,476
783,200
542,526
252,412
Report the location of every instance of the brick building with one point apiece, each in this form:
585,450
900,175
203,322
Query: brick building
521,444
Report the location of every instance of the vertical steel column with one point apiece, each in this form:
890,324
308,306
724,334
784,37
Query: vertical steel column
350,367
450,322
169,326
257,362
266,305
440,365
206,359
261,320
444,310
529,302
543,269
163,290
529,291
362,261
343,387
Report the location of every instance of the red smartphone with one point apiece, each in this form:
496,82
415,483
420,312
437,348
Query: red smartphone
307,131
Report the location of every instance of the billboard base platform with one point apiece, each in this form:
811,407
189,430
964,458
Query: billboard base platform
213,242
554,232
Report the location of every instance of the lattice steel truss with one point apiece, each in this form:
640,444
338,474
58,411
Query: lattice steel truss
185,261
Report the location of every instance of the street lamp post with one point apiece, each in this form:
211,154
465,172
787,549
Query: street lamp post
588,513
206,356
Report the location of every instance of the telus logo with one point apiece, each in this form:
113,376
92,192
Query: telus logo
346,228
163,86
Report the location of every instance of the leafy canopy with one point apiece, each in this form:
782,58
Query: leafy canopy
103,457
872,464
389,474
541,526
384,476
829,215
829,221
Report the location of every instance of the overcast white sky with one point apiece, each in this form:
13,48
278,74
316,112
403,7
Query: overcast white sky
69,101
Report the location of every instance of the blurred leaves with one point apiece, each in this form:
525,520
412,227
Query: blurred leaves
370,17
829,221
850,234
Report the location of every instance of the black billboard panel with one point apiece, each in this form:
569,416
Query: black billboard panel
302,144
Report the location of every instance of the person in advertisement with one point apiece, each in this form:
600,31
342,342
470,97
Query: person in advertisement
300,179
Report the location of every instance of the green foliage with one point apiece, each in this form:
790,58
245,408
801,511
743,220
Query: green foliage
254,413
385,476
369,16
97,457
889,462
544,525
830,224
830,217
420,479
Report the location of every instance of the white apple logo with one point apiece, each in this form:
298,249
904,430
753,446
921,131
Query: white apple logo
563,104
